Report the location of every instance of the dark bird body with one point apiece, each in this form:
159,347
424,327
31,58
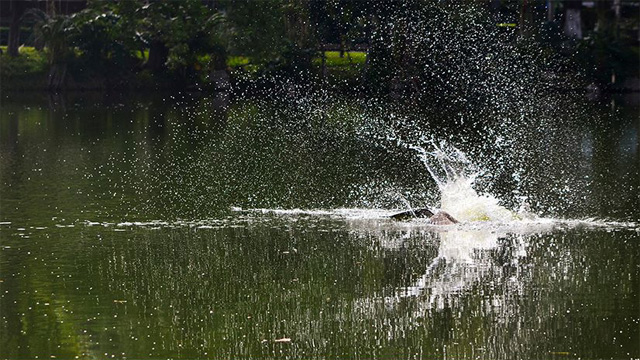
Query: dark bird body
439,218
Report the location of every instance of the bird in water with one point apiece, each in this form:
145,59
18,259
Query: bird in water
438,218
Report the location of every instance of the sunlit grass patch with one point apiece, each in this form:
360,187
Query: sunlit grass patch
29,61
141,54
235,61
349,58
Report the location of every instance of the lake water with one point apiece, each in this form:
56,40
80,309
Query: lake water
182,226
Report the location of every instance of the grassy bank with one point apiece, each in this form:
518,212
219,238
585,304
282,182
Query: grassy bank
27,71
30,71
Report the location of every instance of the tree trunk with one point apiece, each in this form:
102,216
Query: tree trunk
573,19
158,54
17,10
38,44
602,23
57,76
324,63
551,11
525,18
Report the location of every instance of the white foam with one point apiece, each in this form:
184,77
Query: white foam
459,198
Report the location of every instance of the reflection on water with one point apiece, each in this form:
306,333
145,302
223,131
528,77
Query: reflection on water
169,229
333,287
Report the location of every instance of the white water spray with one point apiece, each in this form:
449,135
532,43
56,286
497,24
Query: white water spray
455,176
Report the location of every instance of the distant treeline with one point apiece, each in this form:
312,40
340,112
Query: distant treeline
390,46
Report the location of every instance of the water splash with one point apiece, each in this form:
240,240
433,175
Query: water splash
461,200
455,175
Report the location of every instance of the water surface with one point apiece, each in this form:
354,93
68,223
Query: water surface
180,227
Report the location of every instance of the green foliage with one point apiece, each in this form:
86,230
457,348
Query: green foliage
30,61
56,31
188,29
27,71
258,29
413,44
236,61
110,38
105,38
343,22
277,35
